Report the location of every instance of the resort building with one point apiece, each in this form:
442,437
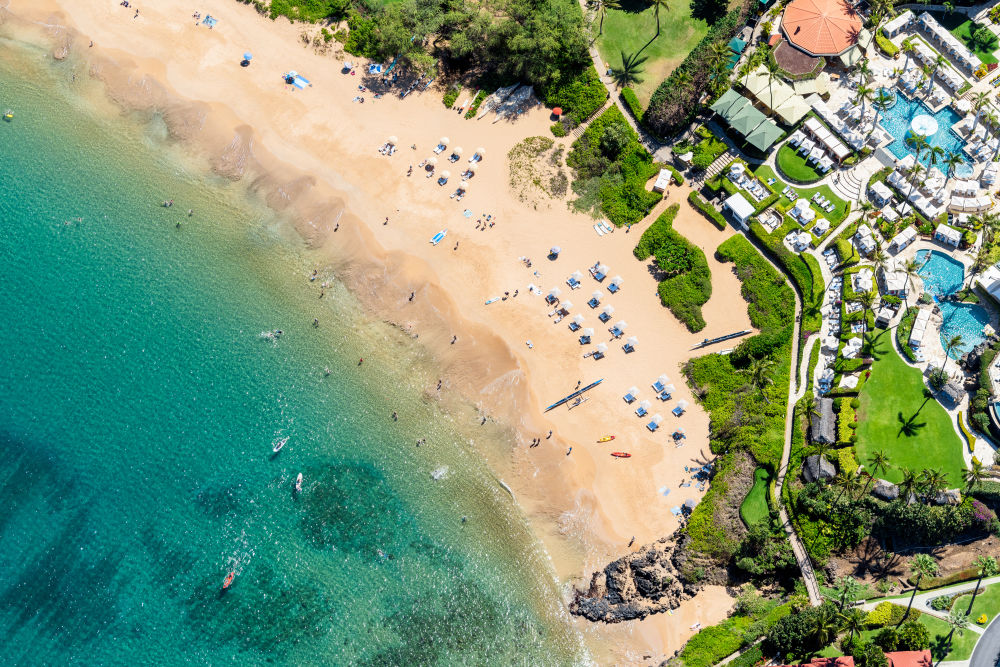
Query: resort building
821,227
920,323
742,209
894,283
863,280
895,659
662,180
879,194
949,43
947,235
884,317
989,281
895,26
902,239
823,28
745,119
864,240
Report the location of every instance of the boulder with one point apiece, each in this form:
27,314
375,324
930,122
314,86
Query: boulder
949,497
885,490
816,467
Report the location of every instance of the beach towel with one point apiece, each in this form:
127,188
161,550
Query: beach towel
300,82
210,21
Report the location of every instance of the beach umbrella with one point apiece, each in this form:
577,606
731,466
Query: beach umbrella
603,269
555,291
669,388
621,325
457,151
348,64
471,169
577,276
645,405
293,73
617,280
632,391
597,294
464,187
481,152
578,319
663,379
444,141
609,310
566,305
555,250
682,404
679,431
602,348
588,332
557,111
432,160
445,174
633,341
247,56
393,140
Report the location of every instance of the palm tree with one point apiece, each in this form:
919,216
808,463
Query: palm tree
915,171
908,49
911,269
918,143
773,72
938,62
910,484
759,371
848,484
974,475
953,342
987,566
846,591
854,622
934,153
656,12
882,100
718,54
922,565
864,72
864,94
979,101
682,80
952,161
956,619
880,463
825,626
933,482
630,70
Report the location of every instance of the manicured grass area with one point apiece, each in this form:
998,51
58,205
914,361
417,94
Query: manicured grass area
987,602
840,207
960,647
795,167
754,507
631,28
960,26
895,418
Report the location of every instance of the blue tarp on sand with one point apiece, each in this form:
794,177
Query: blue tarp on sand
300,82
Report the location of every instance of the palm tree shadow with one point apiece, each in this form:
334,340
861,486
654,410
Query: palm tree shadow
634,6
909,427
645,46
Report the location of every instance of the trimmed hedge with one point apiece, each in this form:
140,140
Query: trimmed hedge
903,333
474,109
928,583
696,200
580,97
452,95
690,285
631,102
885,46
847,462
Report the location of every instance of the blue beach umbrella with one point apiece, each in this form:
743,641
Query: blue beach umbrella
247,56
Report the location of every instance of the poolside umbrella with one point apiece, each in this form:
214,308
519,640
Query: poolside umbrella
632,340
445,174
609,310
602,348
645,405
963,105
557,111
247,56
457,150
393,140
444,141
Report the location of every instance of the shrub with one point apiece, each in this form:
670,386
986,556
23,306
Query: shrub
749,658
559,130
903,333
884,614
474,108
696,200
885,46
914,636
846,460
794,634
452,95
632,102
887,639
579,96
870,655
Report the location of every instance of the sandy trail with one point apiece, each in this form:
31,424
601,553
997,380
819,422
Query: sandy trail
313,153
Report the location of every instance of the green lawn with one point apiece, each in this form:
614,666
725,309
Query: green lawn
840,207
795,167
754,507
959,25
892,399
631,28
987,602
959,649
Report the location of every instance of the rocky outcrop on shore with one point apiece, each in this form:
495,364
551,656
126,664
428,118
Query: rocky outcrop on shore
638,584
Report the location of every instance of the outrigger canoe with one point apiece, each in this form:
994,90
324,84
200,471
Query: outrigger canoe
621,455
607,438
229,580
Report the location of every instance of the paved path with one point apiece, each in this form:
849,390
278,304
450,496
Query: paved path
987,651
921,602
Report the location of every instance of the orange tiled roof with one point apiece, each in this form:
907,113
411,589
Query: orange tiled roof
821,27
910,658
843,661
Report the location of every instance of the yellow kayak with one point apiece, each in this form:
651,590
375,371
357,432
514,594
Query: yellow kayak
607,438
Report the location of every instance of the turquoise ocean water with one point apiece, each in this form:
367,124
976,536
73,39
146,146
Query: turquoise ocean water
139,403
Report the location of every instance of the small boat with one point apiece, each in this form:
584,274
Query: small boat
621,455
8,115
279,444
229,580
493,300
607,438
438,237
298,484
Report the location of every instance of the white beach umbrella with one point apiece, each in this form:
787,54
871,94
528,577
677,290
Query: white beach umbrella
609,310
617,280
621,324
597,294
555,291
555,250
657,418
578,319
632,391
577,276
603,269
588,332
471,169
393,140
682,404
633,341
645,405
464,187
602,348
669,388
481,152
432,160
457,150
566,305
663,379
444,140
445,174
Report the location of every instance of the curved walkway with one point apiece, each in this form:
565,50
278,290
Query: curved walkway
987,651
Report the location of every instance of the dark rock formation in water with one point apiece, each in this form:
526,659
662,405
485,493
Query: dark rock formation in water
638,584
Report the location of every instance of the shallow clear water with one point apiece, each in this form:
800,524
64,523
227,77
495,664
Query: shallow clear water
943,276
896,121
139,404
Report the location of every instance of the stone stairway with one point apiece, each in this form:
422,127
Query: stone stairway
717,166
851,184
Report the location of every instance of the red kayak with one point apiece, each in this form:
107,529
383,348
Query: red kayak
621,455
229,580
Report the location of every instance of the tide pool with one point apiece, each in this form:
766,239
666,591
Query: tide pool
138,408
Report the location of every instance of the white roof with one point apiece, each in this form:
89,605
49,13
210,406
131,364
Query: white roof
904,237
895,281
948,233
663,180
880,188
898,22
740,206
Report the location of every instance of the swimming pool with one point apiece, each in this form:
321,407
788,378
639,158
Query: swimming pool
896,121
944,275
